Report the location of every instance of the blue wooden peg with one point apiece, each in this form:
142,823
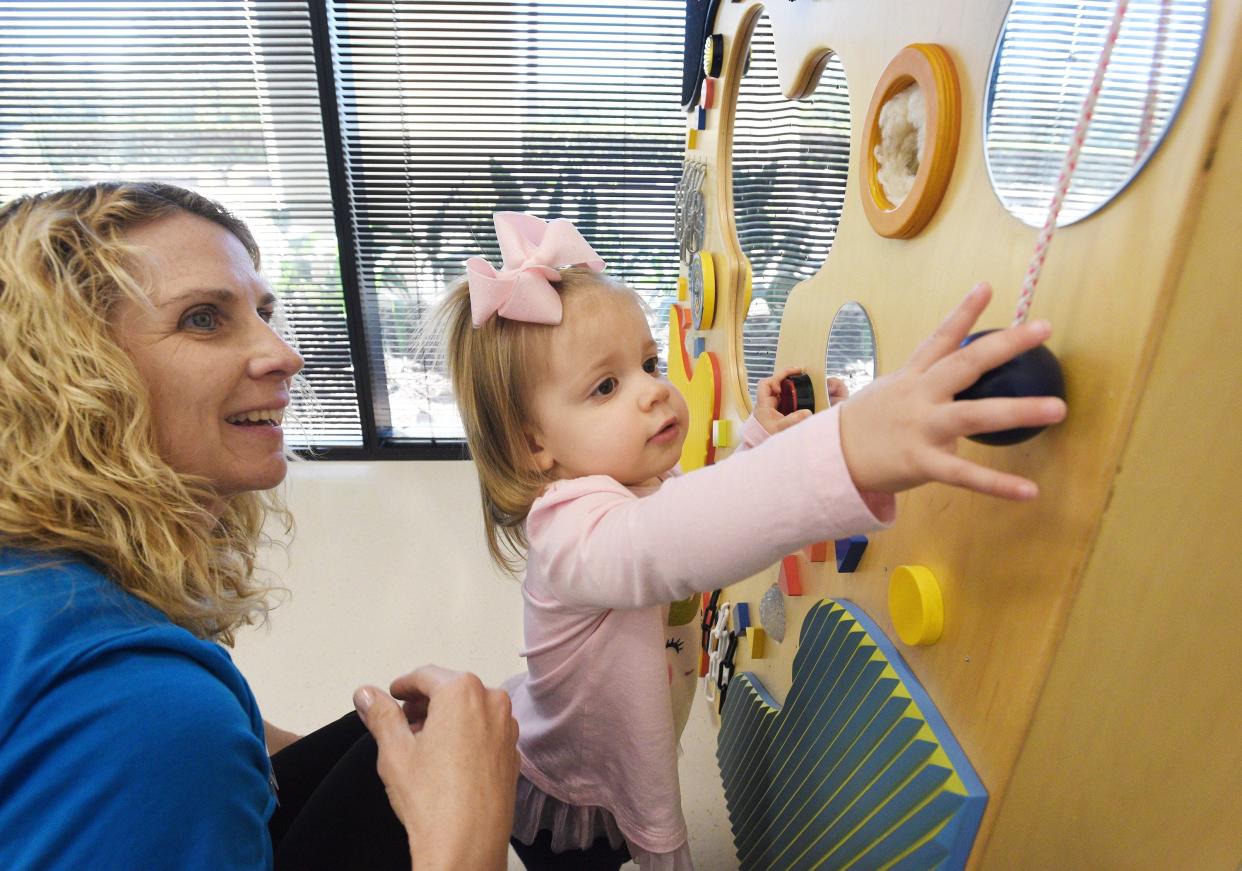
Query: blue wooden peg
741,617
849,552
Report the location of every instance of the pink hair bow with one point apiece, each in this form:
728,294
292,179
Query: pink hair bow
532,249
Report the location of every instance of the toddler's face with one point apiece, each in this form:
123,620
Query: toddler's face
604,408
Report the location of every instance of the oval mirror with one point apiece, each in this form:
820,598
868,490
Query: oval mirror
1042,68
790,161
851,348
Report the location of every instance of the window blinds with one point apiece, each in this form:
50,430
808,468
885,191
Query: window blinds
1044,65
451,111
790,165
220,97
437,115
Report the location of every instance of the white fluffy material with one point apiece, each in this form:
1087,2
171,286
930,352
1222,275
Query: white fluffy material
902,122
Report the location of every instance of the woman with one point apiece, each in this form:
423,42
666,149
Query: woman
142,390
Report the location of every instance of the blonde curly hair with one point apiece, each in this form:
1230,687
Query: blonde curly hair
80,472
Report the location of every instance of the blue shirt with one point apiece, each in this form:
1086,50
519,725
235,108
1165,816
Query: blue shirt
125,742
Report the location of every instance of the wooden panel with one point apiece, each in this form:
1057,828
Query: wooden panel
1009,573
1134,757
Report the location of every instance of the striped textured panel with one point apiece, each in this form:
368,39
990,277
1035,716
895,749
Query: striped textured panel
857,770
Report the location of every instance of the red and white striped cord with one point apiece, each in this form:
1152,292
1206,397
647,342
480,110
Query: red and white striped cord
1153,81
1036,265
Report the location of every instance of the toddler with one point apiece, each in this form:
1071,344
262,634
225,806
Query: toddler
576,434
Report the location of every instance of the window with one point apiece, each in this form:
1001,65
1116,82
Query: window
1043,67
218,97
452,111
790,162
418,121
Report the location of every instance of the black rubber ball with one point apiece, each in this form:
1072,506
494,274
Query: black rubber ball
1033,373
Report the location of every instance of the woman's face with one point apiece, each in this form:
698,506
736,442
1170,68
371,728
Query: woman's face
218,374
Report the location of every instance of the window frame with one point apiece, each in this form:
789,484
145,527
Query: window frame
361,323
375,445
357,315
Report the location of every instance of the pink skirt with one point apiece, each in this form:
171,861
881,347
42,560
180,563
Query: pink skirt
575,827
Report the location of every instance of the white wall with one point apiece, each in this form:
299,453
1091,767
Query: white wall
388,570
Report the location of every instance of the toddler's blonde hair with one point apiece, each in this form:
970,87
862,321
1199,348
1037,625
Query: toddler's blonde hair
494,370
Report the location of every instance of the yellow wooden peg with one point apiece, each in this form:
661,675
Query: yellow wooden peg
758,641
722,433
683,292
915,604
692,139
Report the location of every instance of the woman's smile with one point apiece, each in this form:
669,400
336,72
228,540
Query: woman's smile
262,422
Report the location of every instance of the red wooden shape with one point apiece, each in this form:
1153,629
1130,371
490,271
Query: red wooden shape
791,576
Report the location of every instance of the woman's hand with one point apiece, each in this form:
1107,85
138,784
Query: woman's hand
449,763
902,430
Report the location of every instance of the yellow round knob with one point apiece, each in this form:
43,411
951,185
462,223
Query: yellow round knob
915,605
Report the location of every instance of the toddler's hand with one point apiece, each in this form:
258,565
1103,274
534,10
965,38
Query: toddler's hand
838,391
902,430
767,394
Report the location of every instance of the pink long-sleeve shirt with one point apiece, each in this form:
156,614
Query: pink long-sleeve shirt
596,724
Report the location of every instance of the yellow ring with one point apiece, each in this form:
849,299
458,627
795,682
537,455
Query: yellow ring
930,67
915,605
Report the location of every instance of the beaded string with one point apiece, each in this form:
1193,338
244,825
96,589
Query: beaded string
1067,169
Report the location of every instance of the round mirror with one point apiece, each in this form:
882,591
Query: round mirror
790,161
851,348
1042,68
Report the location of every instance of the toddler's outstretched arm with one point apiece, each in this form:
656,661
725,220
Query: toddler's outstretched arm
902,430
